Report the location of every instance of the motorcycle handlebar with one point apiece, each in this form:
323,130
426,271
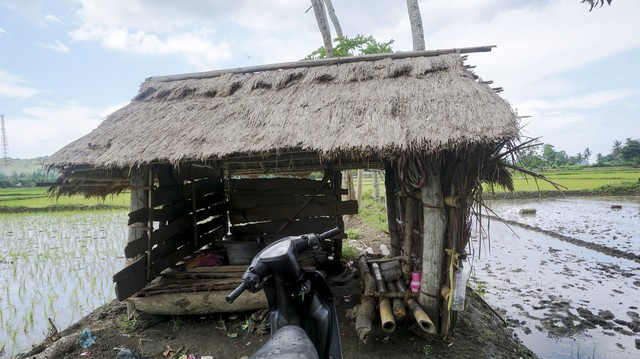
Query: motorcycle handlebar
328,234
236,292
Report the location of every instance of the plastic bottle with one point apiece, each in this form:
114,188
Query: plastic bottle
459,288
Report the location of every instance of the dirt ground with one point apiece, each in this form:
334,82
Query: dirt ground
479,334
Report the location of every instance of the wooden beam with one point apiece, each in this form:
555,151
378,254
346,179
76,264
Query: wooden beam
286,212
321,62
302,226
244,202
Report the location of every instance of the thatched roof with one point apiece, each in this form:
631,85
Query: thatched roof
356,109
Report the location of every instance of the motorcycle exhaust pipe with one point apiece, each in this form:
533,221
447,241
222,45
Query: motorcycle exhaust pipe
386,315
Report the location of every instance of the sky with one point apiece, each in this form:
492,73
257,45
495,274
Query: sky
67,64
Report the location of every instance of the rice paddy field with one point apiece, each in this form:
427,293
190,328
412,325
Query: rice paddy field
55,265
579,179
38,198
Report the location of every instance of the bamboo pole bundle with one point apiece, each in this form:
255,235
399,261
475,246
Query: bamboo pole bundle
386,315
364,316
423,320
391,272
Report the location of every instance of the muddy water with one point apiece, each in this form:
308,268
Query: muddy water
588,219
563,300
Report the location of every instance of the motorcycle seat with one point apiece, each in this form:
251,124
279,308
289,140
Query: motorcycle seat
289,342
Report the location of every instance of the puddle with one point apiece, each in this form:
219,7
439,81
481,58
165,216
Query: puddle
56,266
564,301
587,219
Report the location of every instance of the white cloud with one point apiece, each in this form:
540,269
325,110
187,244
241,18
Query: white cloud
588,101
195,47
3,31
42,130
57,46
52,18
14,86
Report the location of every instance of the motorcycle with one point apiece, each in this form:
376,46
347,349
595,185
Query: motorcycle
303,318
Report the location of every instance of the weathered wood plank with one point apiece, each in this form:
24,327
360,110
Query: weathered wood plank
209,226
261,184
198,303
215,210
131,278
287,192
244,202
212,236
165,262
288,211
170,194
139,245
307,225
169,213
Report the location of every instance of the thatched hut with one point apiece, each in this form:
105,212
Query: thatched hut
194,150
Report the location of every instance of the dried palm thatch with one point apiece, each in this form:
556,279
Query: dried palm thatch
357,109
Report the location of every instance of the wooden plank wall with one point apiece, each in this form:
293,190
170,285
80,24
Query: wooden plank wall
188,211
260,207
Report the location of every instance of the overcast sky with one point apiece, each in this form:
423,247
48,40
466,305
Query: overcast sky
66,64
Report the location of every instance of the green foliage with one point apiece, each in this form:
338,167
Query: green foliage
129,324
371,211
359,45
353,234
349,252
624,187
176,323
596,3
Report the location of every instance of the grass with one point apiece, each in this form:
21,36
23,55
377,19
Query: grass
588,178
38,198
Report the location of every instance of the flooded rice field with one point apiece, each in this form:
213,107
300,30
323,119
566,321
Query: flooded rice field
588,219
565,300
56,266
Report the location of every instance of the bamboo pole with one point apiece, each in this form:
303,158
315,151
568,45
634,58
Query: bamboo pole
392,211
422,319
320,62
364,316
386,314
407,244
415,19
359,189
434,226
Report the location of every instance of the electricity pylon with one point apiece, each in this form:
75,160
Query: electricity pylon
5,145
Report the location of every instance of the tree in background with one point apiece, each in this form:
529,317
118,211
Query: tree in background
596,3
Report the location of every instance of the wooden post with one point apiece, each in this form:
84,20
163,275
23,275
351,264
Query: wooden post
376,185
434,227
149,224
407,244
336,181
194,209
334,19
392,211
139,199
359,189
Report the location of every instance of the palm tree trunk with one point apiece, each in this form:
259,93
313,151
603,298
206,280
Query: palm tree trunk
334,18
323,25
417,32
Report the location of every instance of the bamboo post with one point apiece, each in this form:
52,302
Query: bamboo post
407,244
194,208
149,224
364,316
386,314
376,185
434,226
336,180
390,197
359,188
138,200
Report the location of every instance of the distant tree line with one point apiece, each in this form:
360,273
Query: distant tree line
26,179
545,155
